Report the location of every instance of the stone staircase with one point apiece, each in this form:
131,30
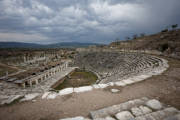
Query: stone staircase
137,109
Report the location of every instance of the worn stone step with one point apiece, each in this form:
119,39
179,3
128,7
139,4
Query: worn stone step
117,108
160,115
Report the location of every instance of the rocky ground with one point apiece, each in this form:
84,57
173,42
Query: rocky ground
164,87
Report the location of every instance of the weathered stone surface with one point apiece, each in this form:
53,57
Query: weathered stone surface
145,110
136,111
159,115
102,113
154,104
110,84
128,81
174,117
103,85
45,95
114,90
170,111
149,117
125,115
120,83
106,118
52,96
74,118
66,91
96,86
30,97
11,99
83,89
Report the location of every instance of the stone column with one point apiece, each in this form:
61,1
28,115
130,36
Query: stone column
66,64
36,81
41,78
49,73
45,76
30,83
23,85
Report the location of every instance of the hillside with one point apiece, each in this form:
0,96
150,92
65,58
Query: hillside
166,42
33,45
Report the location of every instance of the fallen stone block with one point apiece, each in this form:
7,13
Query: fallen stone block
74,118
45,95
83,89
136,111
52,96
120,83
174,117
11,99
110,84
125,115
103,85
128,81
106,118
145,109
29,97
154,104
96,86
114,90
66,91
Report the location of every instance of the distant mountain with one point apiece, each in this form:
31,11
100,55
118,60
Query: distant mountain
70,45
33,45
19,45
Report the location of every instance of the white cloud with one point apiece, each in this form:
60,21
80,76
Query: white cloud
118,12
72,20
20,37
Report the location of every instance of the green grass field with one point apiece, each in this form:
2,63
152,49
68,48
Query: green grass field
77,79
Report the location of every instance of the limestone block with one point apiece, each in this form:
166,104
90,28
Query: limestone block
45,95
83,89
170,111
145,110
174,117
149,117
154,104
106,118
96,86
103,85
11,99
29,97
114,90
109,118
140,118
121,83
110,84
128,81
52,96
136,111
66,91
75,118
159,115
125,115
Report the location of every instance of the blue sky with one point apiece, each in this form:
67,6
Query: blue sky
100,21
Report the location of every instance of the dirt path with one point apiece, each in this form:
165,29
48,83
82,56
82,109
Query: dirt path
165,87
13,67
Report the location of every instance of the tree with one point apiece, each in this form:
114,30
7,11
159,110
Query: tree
142,34
174,26
165,30
127,38
135,36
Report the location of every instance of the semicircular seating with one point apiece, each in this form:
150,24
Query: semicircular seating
116,66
